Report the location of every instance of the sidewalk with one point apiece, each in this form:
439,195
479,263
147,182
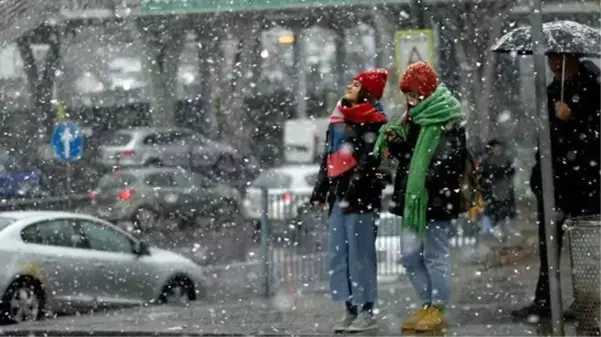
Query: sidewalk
481,306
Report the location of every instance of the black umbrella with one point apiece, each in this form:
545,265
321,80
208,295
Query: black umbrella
560,37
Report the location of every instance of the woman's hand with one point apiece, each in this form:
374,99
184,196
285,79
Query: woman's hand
393,138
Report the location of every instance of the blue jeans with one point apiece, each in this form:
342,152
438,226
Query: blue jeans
427,262
352,256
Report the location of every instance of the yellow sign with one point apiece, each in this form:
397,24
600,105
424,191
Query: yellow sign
60,113
414,45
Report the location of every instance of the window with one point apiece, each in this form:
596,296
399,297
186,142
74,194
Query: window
201,181
60,232
163,179
5,222
273,179
117,139
311,179
105,238
193,138
169,138
150,140
183,179
116,180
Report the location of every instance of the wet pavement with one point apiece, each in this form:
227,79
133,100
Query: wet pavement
481,306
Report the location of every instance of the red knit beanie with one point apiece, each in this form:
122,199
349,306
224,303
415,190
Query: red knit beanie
373,81
420,77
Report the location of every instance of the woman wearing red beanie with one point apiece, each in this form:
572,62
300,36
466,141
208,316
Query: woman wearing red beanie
349,183
430,145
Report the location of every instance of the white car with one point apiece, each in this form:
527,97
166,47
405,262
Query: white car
61,262
288,187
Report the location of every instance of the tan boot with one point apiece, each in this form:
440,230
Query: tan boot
411,322
432,320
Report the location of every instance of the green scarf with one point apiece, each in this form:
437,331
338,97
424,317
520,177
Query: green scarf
432,115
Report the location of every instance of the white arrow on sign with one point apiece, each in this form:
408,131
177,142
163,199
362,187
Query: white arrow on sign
66,138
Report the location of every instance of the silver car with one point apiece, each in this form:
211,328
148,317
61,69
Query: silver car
160,146
63,262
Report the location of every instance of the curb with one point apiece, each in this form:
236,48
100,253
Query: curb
111,333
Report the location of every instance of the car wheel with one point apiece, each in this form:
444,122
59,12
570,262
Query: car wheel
22,302
144,219
178,291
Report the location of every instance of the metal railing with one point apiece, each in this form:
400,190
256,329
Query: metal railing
293,242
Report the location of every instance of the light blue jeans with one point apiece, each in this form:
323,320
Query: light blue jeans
427,262
352,257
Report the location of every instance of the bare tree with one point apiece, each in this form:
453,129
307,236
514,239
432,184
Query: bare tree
476,25
41,78
163,40
232,117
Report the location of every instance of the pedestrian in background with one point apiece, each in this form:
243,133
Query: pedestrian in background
349,182
430,145
574,123
497,171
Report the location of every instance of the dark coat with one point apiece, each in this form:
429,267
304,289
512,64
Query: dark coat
497,188
443,179
575,147
361,186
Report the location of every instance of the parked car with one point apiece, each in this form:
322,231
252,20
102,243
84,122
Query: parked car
144,195
19,181
288,188
160,147
62,262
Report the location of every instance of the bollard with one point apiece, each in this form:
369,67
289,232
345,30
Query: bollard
263,243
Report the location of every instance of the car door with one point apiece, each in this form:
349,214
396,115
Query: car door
192,197
167,192
175,152
119,275
58,247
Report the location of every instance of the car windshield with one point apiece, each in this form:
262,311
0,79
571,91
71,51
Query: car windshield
389,226
116,180
117,139
273,179
5,222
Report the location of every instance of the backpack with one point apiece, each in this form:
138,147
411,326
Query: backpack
468,182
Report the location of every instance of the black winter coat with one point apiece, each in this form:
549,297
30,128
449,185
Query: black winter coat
575,147
361,186
443,178
497,188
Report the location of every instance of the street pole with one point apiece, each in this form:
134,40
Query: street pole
548,195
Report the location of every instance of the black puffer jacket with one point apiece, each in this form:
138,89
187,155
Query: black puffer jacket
443,179
362,186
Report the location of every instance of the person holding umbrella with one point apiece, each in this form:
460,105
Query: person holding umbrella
574,122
